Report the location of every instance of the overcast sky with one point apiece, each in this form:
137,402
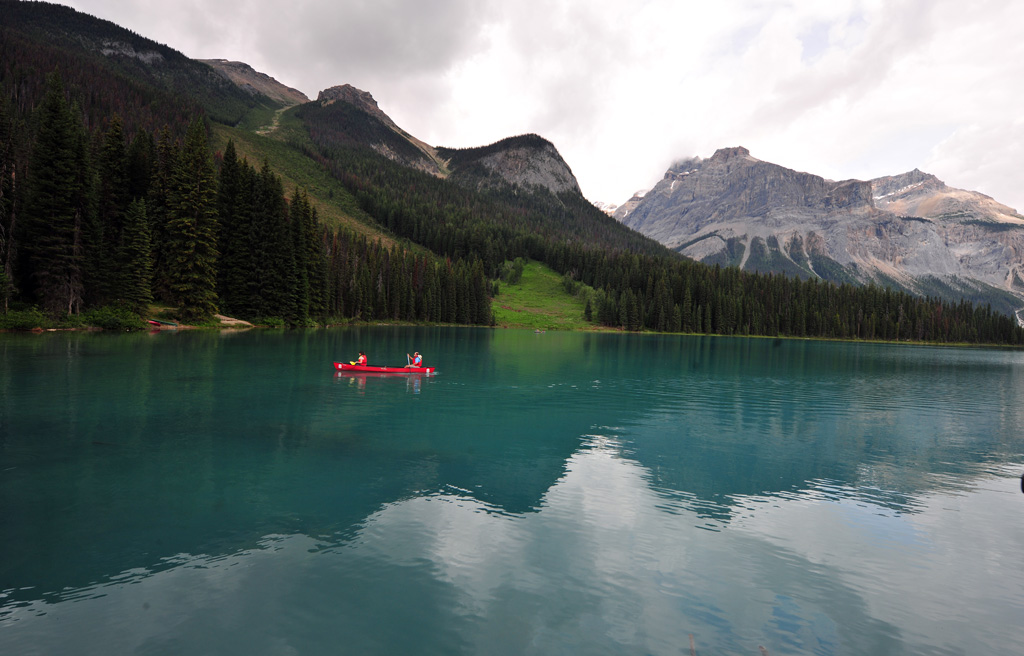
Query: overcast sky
839,88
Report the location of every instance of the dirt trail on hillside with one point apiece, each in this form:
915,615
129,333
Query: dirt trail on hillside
268,129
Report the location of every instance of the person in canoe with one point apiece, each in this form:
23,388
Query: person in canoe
415,360
361,360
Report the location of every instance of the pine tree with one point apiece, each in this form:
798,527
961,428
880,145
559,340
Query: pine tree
305,242
157,203
234,203
676,322
316,263
191,230
135,254
448,293
57,205
104,270
635,322
273,246
245,275
481,301
8,208
464,309
141,161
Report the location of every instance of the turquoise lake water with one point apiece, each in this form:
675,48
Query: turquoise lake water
555,493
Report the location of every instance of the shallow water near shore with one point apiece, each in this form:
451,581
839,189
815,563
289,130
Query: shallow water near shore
555,493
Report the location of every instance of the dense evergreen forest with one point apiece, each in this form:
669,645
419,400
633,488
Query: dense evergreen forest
111,200
106,221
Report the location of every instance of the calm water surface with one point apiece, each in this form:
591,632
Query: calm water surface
556,493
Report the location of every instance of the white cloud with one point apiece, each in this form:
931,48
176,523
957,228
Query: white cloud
986,158
845,89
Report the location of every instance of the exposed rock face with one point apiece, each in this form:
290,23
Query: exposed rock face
532,163
526,161
732,188
910,230
362,100
124,49
530,167
357,97
622,211
254,82
921,194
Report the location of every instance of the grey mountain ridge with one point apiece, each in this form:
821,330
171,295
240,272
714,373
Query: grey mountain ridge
528,161
256,83
910,231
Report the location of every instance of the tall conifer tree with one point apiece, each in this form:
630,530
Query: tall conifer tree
157,202
57,206
274,247
104,269
309,257
8,208
233,238
317,264
141,160
191,229
135,254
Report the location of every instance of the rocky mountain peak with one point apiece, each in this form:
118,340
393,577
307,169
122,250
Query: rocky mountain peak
726,160
394,141
684,166
920,194
253,82
733,183
357,98
350,94
892,184
622,211
910,230
526,161
727,154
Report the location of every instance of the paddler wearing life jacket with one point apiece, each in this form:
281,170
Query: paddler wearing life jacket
361,360
415,360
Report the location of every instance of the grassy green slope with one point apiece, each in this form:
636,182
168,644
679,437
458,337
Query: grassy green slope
539,301
334,204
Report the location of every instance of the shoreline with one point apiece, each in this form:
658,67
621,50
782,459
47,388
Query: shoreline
240,325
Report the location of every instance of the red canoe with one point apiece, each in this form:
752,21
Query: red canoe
367,369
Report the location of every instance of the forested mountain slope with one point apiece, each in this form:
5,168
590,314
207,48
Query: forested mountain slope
115,69
363,149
